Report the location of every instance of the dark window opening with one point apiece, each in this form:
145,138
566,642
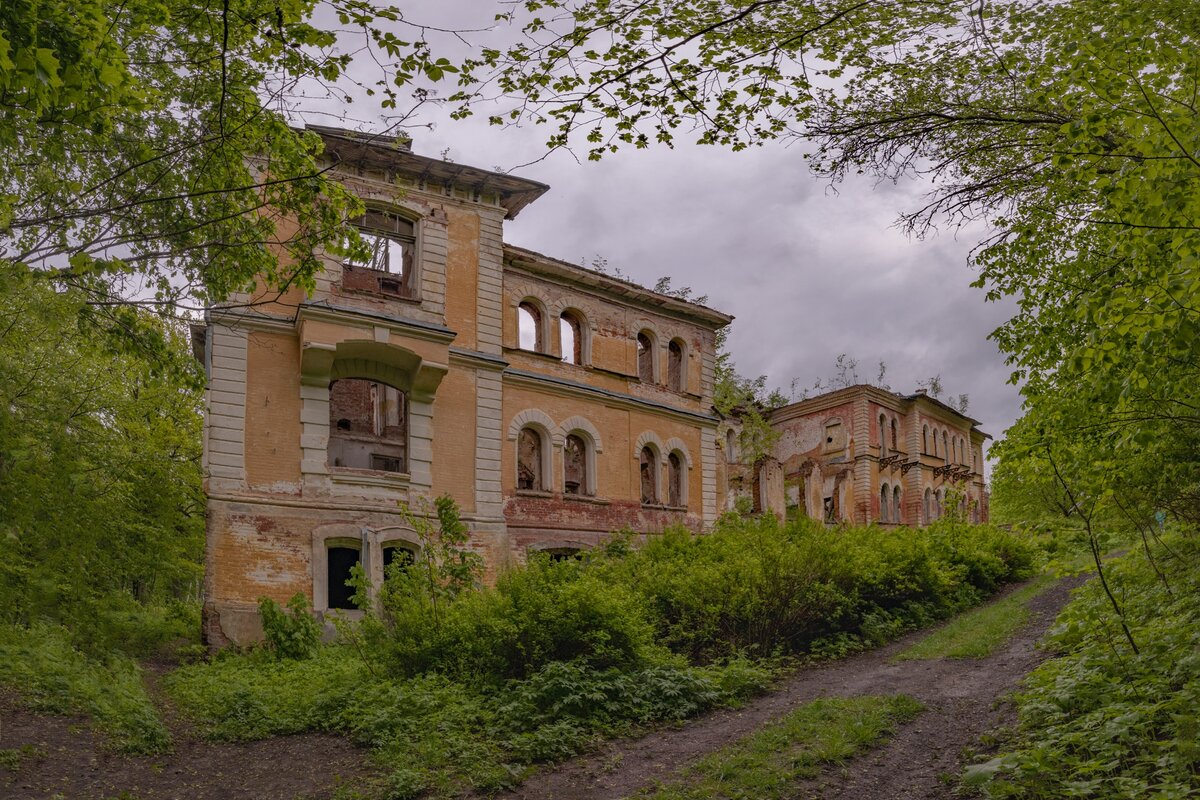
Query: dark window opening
368,424
341,561
830,508
529,460
398,554
675,480
645,358
388,266
648,466
575,468
675,371
561,554
894,446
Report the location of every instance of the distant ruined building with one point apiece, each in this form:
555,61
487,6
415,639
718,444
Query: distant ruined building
554,403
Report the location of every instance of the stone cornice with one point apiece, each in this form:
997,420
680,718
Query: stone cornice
327,312
582,390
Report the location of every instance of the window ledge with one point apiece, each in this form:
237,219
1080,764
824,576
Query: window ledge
534,493
412,298
662,507
584,498
369,477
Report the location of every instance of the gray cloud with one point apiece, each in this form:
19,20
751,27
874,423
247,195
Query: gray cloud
810,271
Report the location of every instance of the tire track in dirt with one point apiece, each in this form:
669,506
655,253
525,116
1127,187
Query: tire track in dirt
960,698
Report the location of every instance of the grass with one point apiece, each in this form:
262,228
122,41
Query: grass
767,764
981,631
53,677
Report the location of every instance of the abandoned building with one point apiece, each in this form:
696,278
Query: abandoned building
554,403
865,454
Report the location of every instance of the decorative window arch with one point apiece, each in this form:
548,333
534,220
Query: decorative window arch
679,464
945,446
897,513
649,472
581,443
677,365
939,499
928,505
895,444
885,501
730,445
924,438
882,435
647,356
531,325
574,337
535,436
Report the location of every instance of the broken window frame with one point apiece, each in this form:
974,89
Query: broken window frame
368,448
676,480
381,229
648,475
530,317
647,368
677,365
538,471
571,322
585,485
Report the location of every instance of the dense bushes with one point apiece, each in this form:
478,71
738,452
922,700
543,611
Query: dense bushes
750,586
1101,721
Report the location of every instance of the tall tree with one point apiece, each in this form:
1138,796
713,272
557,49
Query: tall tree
145,148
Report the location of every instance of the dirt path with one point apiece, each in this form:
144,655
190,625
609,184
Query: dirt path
65,759
959,696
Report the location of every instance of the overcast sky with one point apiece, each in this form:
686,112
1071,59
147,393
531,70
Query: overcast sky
810,271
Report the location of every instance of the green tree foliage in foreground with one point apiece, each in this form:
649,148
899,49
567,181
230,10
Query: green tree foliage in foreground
101,510
1070,129
145,151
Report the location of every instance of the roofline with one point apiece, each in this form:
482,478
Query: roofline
838,396
619,287
395,153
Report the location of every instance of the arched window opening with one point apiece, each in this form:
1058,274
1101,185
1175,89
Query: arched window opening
391,242
882,435
570,331
894,445
676,377
645,357
529,461
674,481
730,446
945,446
575,466
368,426
897,515
924,438
937,504
402,555
648,467
928,506
340,559
529,327
885,500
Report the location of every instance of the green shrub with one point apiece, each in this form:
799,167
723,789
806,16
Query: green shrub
293,633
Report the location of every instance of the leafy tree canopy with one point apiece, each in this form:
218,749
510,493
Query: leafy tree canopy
145,149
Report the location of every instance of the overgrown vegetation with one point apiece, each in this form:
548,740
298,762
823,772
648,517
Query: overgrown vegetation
101,510
558,654
53,676
767,764
1101,720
